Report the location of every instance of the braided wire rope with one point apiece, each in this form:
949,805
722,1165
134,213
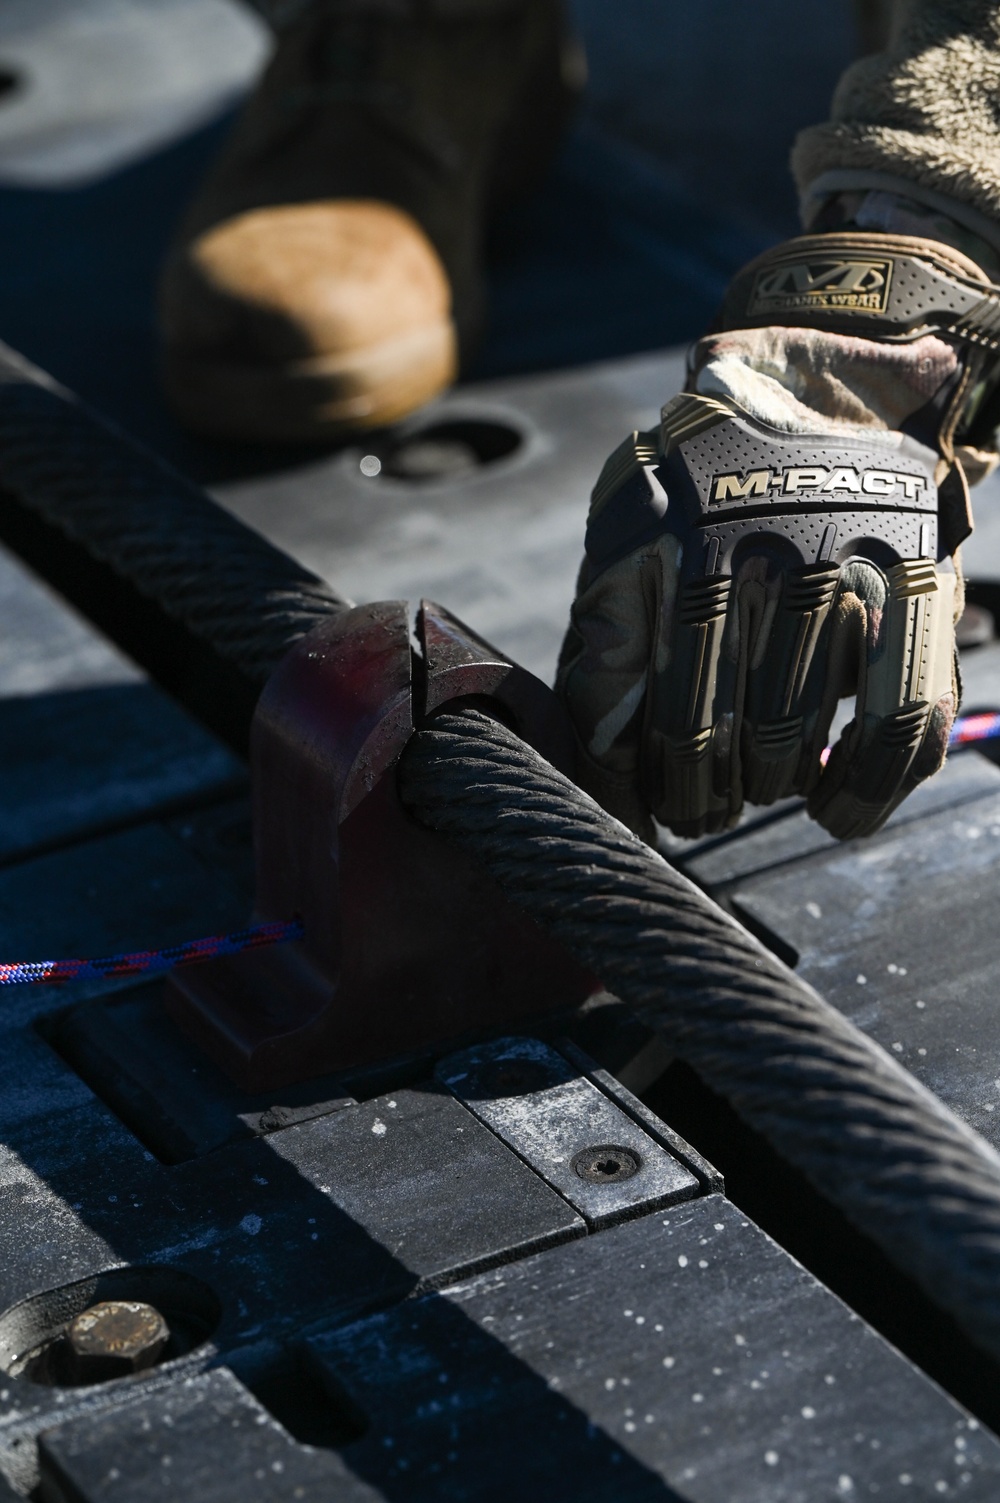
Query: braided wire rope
129,509
895,1160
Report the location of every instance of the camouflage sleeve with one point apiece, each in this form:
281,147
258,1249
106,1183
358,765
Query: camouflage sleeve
921,116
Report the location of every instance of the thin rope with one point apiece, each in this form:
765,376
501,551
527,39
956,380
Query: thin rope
971,728
148,962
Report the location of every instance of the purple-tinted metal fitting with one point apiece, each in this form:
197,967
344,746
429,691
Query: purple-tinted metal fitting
407,942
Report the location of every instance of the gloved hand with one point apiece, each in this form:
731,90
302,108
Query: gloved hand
789,536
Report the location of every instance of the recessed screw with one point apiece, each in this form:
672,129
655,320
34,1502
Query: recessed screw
115,1338
606,1164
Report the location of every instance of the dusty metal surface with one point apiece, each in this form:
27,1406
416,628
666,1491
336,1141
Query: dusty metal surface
567,1130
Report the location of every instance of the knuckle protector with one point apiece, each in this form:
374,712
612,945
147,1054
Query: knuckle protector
731,491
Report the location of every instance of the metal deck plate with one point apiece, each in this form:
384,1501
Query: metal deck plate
680,1356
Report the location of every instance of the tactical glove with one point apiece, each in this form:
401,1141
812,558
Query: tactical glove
786,537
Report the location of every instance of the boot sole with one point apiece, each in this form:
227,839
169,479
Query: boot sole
314,400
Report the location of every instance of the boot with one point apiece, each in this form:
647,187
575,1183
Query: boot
327,276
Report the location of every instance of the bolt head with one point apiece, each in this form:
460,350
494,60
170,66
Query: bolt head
115,1338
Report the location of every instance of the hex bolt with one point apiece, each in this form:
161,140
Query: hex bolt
606,1164
115,1338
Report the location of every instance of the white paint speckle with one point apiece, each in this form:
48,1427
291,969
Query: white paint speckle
379,1128
845,1484
251,1224
697,1398
702,1262
668,1361
740,1340
921,1005
814,910
630,1426
808,1412
862,980
892,969
905,1479
682,1261
898,1048
609,1384
771,1458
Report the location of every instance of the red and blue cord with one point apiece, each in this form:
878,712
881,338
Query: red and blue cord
970,728
148,962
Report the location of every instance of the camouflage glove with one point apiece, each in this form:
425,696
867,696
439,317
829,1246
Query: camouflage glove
788,536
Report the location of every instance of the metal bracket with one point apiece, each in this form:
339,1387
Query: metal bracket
406,941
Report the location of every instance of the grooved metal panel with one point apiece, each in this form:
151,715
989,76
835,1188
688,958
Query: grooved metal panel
206,1439
570,1133
311,1225
682,1356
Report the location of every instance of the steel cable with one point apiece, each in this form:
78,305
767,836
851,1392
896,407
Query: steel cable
228,585
896,1161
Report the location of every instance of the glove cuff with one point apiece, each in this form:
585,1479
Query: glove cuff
878,286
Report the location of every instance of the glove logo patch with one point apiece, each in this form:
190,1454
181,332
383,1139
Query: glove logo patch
799,480
840,284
